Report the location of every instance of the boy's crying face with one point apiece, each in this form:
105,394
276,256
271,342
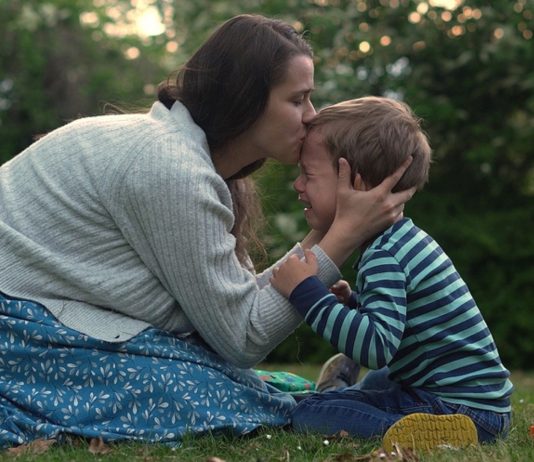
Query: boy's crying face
316,184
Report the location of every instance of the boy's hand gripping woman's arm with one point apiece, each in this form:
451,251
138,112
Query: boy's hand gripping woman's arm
293,271
371,334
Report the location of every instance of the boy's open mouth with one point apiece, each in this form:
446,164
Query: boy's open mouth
307,205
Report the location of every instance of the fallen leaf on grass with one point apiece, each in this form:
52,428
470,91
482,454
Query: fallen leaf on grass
214,459
35,447
406,454
97,446
337,436
345,457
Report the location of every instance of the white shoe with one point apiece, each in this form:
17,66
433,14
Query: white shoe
337,372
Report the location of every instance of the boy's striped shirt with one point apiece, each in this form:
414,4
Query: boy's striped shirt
415,315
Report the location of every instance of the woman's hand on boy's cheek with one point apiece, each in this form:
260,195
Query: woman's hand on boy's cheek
293,271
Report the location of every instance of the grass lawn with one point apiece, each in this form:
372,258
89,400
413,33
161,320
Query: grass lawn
280,445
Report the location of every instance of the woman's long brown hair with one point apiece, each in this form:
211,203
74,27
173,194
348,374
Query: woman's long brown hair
225,86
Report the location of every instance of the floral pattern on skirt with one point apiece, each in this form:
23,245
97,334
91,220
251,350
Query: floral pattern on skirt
153,388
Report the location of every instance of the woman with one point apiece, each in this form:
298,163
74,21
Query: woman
129,308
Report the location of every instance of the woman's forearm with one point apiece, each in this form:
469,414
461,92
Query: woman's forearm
338,246
311,239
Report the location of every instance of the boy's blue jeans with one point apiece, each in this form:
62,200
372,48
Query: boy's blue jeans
370,407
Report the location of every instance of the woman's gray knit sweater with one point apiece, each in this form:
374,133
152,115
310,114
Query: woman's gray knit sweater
115,223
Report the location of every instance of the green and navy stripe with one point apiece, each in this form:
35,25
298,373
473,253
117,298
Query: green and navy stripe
416,315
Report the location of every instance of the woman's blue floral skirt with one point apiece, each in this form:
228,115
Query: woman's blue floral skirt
55,381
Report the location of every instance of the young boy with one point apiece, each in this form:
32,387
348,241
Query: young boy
411,319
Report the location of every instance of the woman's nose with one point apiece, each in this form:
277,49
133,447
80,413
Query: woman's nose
309,113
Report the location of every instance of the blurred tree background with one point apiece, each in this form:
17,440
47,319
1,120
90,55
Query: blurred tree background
465,66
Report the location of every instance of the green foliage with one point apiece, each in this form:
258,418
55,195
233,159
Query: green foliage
54,69
466,72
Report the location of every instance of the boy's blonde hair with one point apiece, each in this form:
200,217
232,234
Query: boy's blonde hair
376,135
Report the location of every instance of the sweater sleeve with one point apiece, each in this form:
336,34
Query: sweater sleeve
370,334
176,211
326,269
263,278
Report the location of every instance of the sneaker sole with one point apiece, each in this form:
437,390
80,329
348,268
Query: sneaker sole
427,431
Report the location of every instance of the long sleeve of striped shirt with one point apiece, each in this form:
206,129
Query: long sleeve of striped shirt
371,333
416,315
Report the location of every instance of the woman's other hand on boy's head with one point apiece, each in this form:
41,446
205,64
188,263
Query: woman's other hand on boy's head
363,212
293,271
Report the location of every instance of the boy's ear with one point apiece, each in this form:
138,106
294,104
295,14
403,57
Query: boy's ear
355,178
359,184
